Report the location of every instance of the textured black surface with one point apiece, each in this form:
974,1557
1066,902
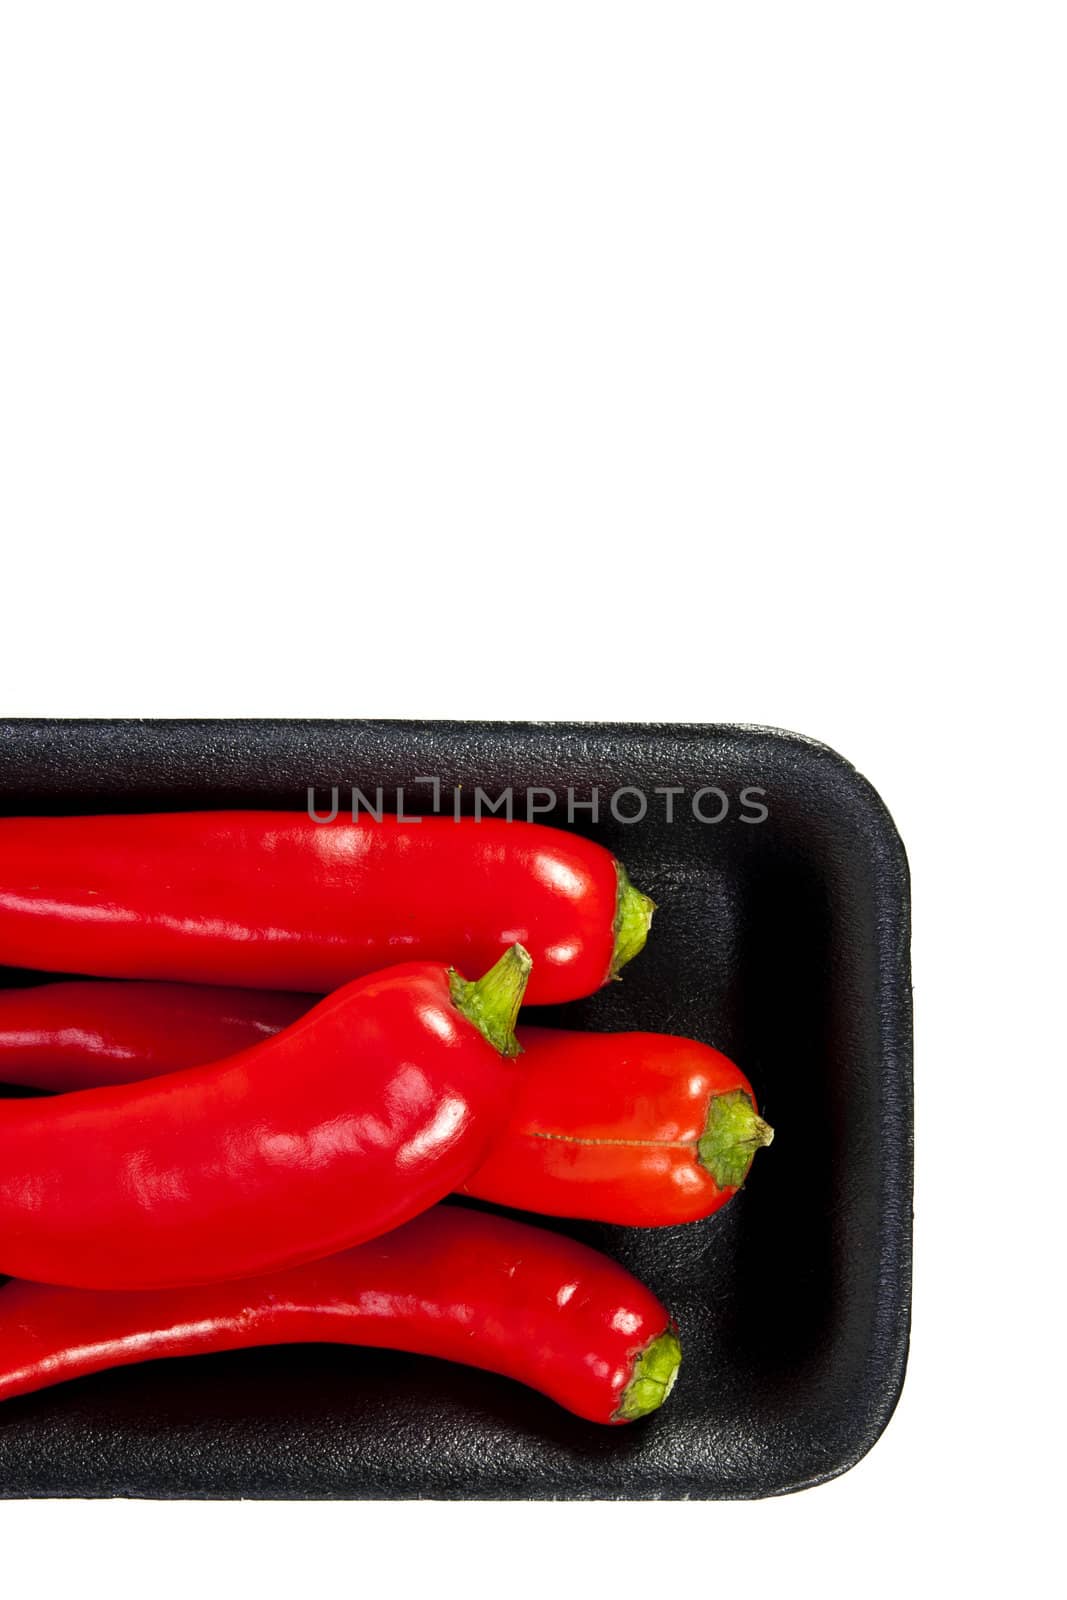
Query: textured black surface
785,943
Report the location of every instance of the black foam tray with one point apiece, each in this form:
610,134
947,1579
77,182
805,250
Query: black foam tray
784,942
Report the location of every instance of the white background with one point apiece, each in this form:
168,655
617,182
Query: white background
656,361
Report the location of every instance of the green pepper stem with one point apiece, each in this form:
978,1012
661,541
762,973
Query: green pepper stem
633,918
733,1132
654,1374
492,1001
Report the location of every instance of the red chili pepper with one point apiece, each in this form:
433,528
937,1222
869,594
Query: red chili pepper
454,1283
274,900
366,1111
641,1129
84,1035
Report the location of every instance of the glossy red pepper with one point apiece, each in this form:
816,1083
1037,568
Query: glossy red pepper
82,1035
454,1283
641,1129
364,1112
274,900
